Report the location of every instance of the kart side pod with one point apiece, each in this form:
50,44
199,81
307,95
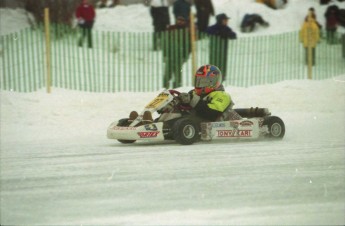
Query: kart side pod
234,129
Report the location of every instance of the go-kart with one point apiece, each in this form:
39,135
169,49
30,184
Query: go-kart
179,122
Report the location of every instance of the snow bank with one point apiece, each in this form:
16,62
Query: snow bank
137,17
66,111
12,20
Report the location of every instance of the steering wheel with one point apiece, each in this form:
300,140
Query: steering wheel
175,93
182,107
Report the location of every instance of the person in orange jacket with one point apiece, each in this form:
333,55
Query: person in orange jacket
310,36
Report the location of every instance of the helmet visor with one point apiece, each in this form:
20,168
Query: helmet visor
201,82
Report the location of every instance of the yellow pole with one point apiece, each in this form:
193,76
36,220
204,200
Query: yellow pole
192,38
48,57
310,52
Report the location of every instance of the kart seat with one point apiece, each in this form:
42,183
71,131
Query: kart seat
253,112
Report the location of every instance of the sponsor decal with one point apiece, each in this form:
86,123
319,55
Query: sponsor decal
148,134
158,100
247,123
164,94
151,127
123,128
234,133
218,124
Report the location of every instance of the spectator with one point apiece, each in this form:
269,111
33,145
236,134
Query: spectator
204,9
312,12
220,34
161,19
310,36
182,9
331,24
176,51
85,14
249,22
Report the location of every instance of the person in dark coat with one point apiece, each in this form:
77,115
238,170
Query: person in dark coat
85,15
181,8
161,19
331,23
177,47
220,33
250,21
204,9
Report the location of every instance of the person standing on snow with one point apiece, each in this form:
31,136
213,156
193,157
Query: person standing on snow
310,36
176,50
220,33
204,9
161,19
182,8
331,24
209,99
85,15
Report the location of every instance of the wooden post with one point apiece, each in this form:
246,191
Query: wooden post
48,55
192,38
309,49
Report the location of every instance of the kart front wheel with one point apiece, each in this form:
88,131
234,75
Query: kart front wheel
124,123
276,127
186,131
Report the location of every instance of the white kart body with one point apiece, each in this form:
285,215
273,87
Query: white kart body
153,132
233,129
246,128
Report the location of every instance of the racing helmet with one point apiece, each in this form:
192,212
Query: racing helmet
207,79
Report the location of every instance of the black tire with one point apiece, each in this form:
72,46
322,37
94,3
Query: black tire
124,122
276,127
186,131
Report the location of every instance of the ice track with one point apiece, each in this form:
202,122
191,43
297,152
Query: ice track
58,168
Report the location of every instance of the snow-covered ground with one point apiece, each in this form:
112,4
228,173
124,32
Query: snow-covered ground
13,20
126,18
57,167
136,18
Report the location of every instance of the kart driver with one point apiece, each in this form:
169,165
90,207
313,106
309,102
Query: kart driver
209,99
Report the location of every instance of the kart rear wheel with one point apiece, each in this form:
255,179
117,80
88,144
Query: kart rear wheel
186,131
124,123
276,127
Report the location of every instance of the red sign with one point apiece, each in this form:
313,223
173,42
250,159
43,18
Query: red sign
148,134
234,133
246,123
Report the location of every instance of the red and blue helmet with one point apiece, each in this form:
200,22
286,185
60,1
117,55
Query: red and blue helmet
208,78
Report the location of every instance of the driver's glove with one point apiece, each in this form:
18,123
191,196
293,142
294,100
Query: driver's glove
189,98
185,98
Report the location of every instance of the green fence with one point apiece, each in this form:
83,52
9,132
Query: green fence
127,62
